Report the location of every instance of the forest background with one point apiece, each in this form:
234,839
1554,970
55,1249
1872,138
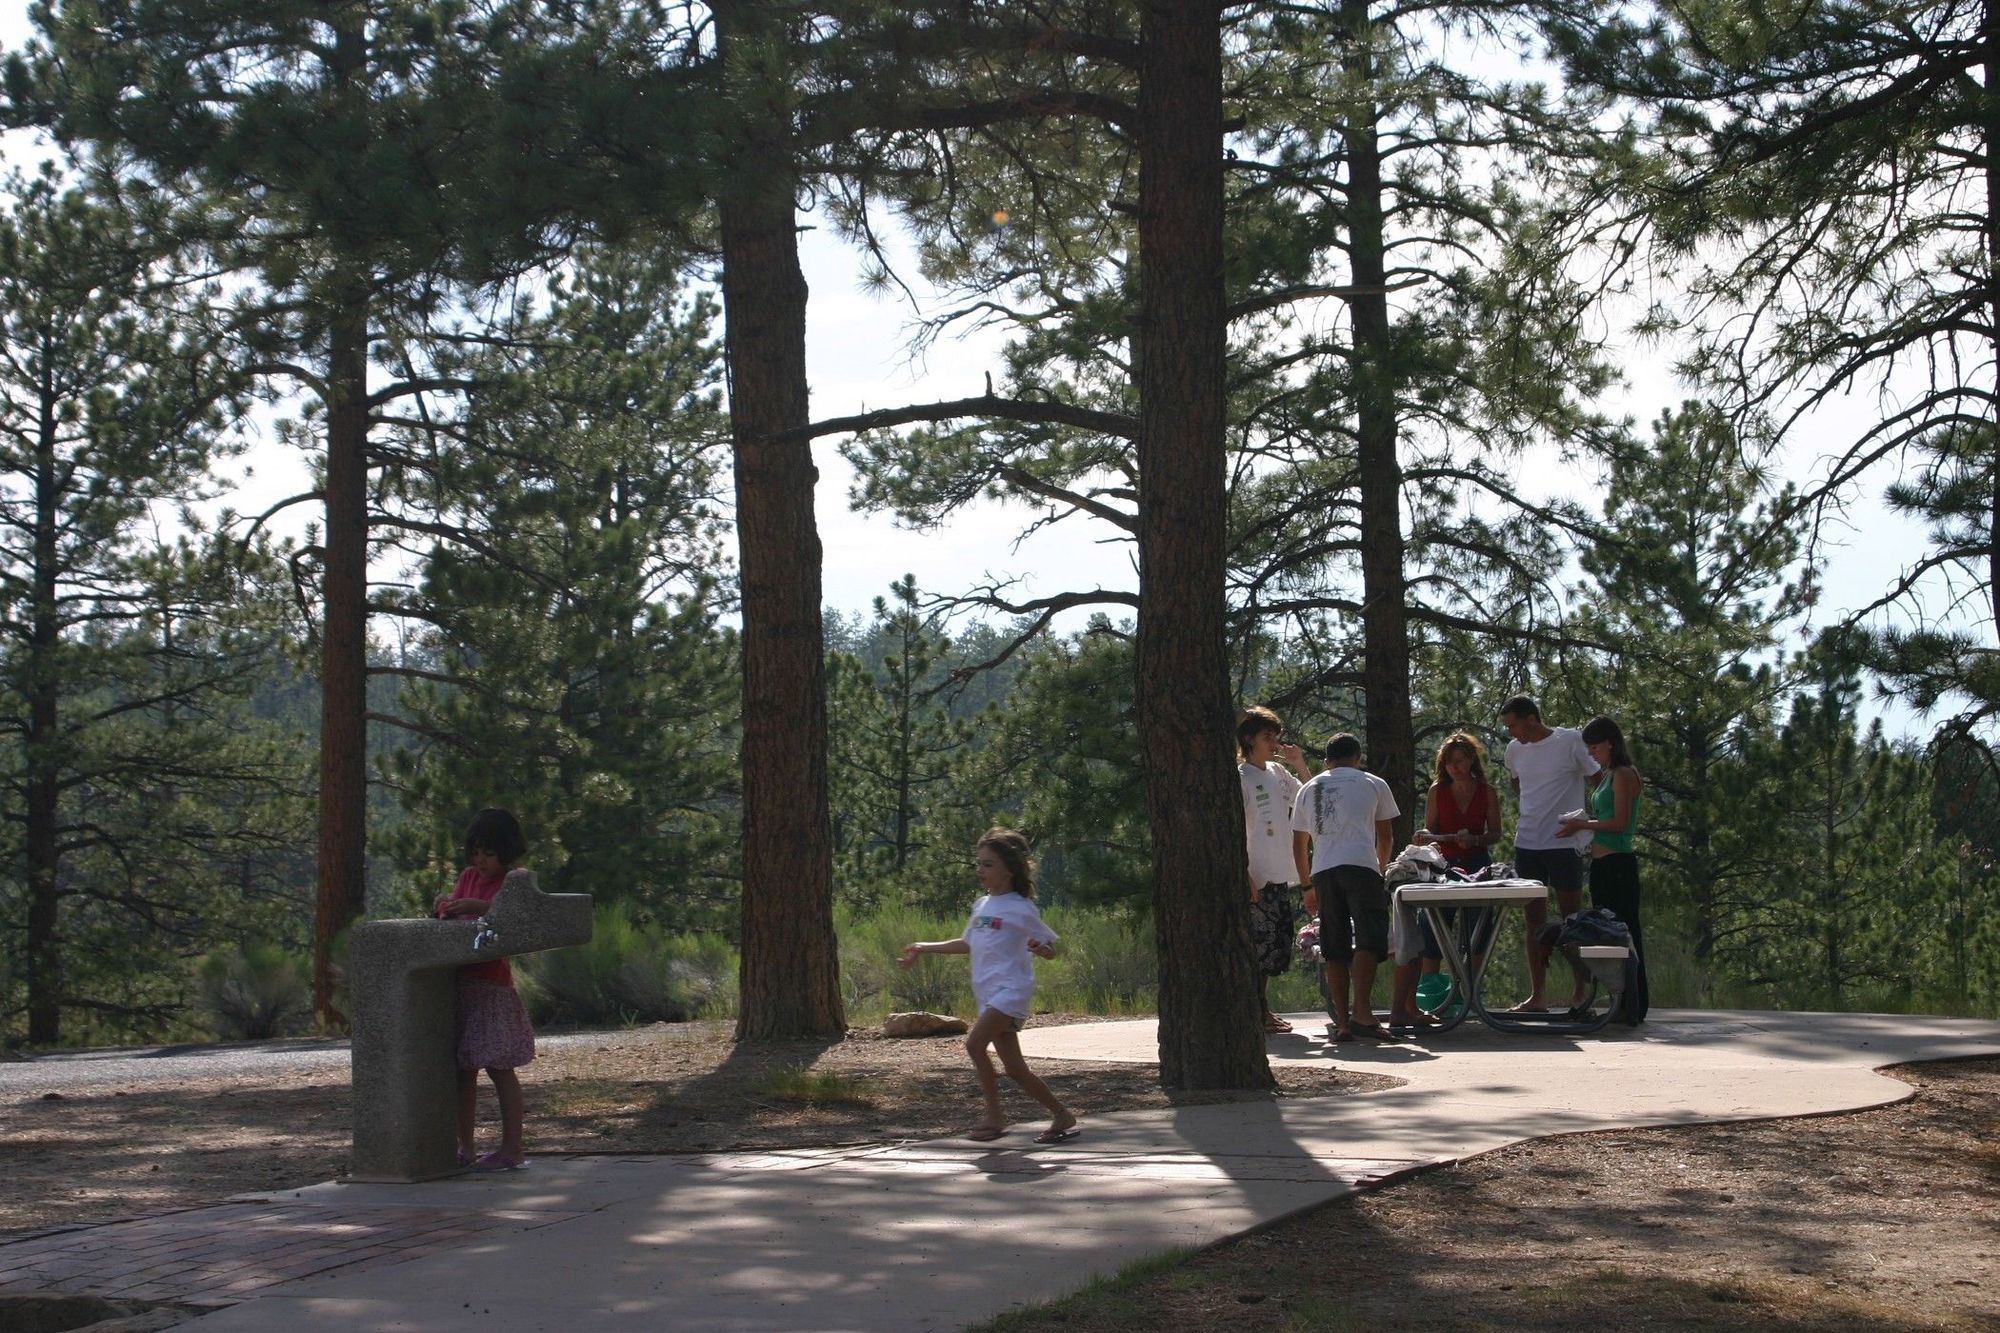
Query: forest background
468,263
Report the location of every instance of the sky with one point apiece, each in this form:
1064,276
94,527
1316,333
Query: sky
858,359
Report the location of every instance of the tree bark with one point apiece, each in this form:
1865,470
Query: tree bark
1209,1033
790,979
1385,624
342,894
343,724
42,765
1990,131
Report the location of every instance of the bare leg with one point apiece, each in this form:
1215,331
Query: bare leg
1569,901
1403,1011
1363,968
1336,991
1537,913
513,1112
468,1111
988,1026
1008,1043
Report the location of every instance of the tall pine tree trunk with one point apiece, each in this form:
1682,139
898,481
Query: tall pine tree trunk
343,700
1990,59
1385,625
1209,1034
790,983
343,723
42,766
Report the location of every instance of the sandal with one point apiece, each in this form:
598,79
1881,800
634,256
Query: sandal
1275,1025
1371,1032
499,1161
1054,1135
985,1133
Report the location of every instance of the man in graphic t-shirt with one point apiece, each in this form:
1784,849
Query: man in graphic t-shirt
1350,815
1548,767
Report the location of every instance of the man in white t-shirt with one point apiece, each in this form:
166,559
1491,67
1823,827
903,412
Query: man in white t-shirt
1277,853
1548,767
1349,814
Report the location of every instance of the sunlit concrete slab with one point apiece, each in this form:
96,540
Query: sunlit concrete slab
941,1234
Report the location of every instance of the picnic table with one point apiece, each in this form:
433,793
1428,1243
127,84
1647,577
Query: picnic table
1602,966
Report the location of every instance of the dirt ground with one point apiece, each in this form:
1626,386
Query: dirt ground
107,1151
1876,1220
1883,1219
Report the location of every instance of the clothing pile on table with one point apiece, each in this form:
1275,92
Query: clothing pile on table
1416,864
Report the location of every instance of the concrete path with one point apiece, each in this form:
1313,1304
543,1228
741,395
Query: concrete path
938,1235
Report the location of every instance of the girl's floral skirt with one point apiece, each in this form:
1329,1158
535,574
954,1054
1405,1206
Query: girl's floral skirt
493,1027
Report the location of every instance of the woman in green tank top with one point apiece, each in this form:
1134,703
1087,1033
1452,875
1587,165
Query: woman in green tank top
1613,810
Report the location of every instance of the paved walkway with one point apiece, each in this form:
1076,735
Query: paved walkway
938,1235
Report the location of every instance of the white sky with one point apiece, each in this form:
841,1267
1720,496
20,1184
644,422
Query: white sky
856,348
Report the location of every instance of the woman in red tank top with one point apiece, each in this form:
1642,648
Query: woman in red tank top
1461,818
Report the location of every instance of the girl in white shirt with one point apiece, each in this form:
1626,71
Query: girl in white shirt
1004,929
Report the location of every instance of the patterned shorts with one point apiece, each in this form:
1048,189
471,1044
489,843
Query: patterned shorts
1271,929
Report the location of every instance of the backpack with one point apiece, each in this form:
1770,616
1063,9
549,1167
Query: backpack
1602,926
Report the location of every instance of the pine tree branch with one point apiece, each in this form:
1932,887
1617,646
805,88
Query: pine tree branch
987,405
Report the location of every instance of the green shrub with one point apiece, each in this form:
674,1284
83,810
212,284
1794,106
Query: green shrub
871,982
251,992
1108,964
629,973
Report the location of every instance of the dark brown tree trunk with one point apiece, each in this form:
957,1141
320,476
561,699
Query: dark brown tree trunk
1990,54
42,766
343,725
343,675
790,983
1209,1034
1385,624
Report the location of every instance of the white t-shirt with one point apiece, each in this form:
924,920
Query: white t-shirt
1268,793
1003,971
1340,808
1551,772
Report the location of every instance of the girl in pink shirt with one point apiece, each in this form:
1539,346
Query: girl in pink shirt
493,1029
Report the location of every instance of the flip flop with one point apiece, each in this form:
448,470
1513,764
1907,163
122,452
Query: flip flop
1057,1135
1277,1025
1339,1034
499,1161
986,1133
1373,1032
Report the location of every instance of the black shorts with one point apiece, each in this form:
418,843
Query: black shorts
1353,912
1561,868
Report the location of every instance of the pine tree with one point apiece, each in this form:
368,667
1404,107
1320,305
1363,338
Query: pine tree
1857,857
893,752
790,984
1697,582
574,670
121,650
1821,189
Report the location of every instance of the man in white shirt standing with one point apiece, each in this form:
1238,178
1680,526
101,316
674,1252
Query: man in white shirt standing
1548,767
1277,854
1350,815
